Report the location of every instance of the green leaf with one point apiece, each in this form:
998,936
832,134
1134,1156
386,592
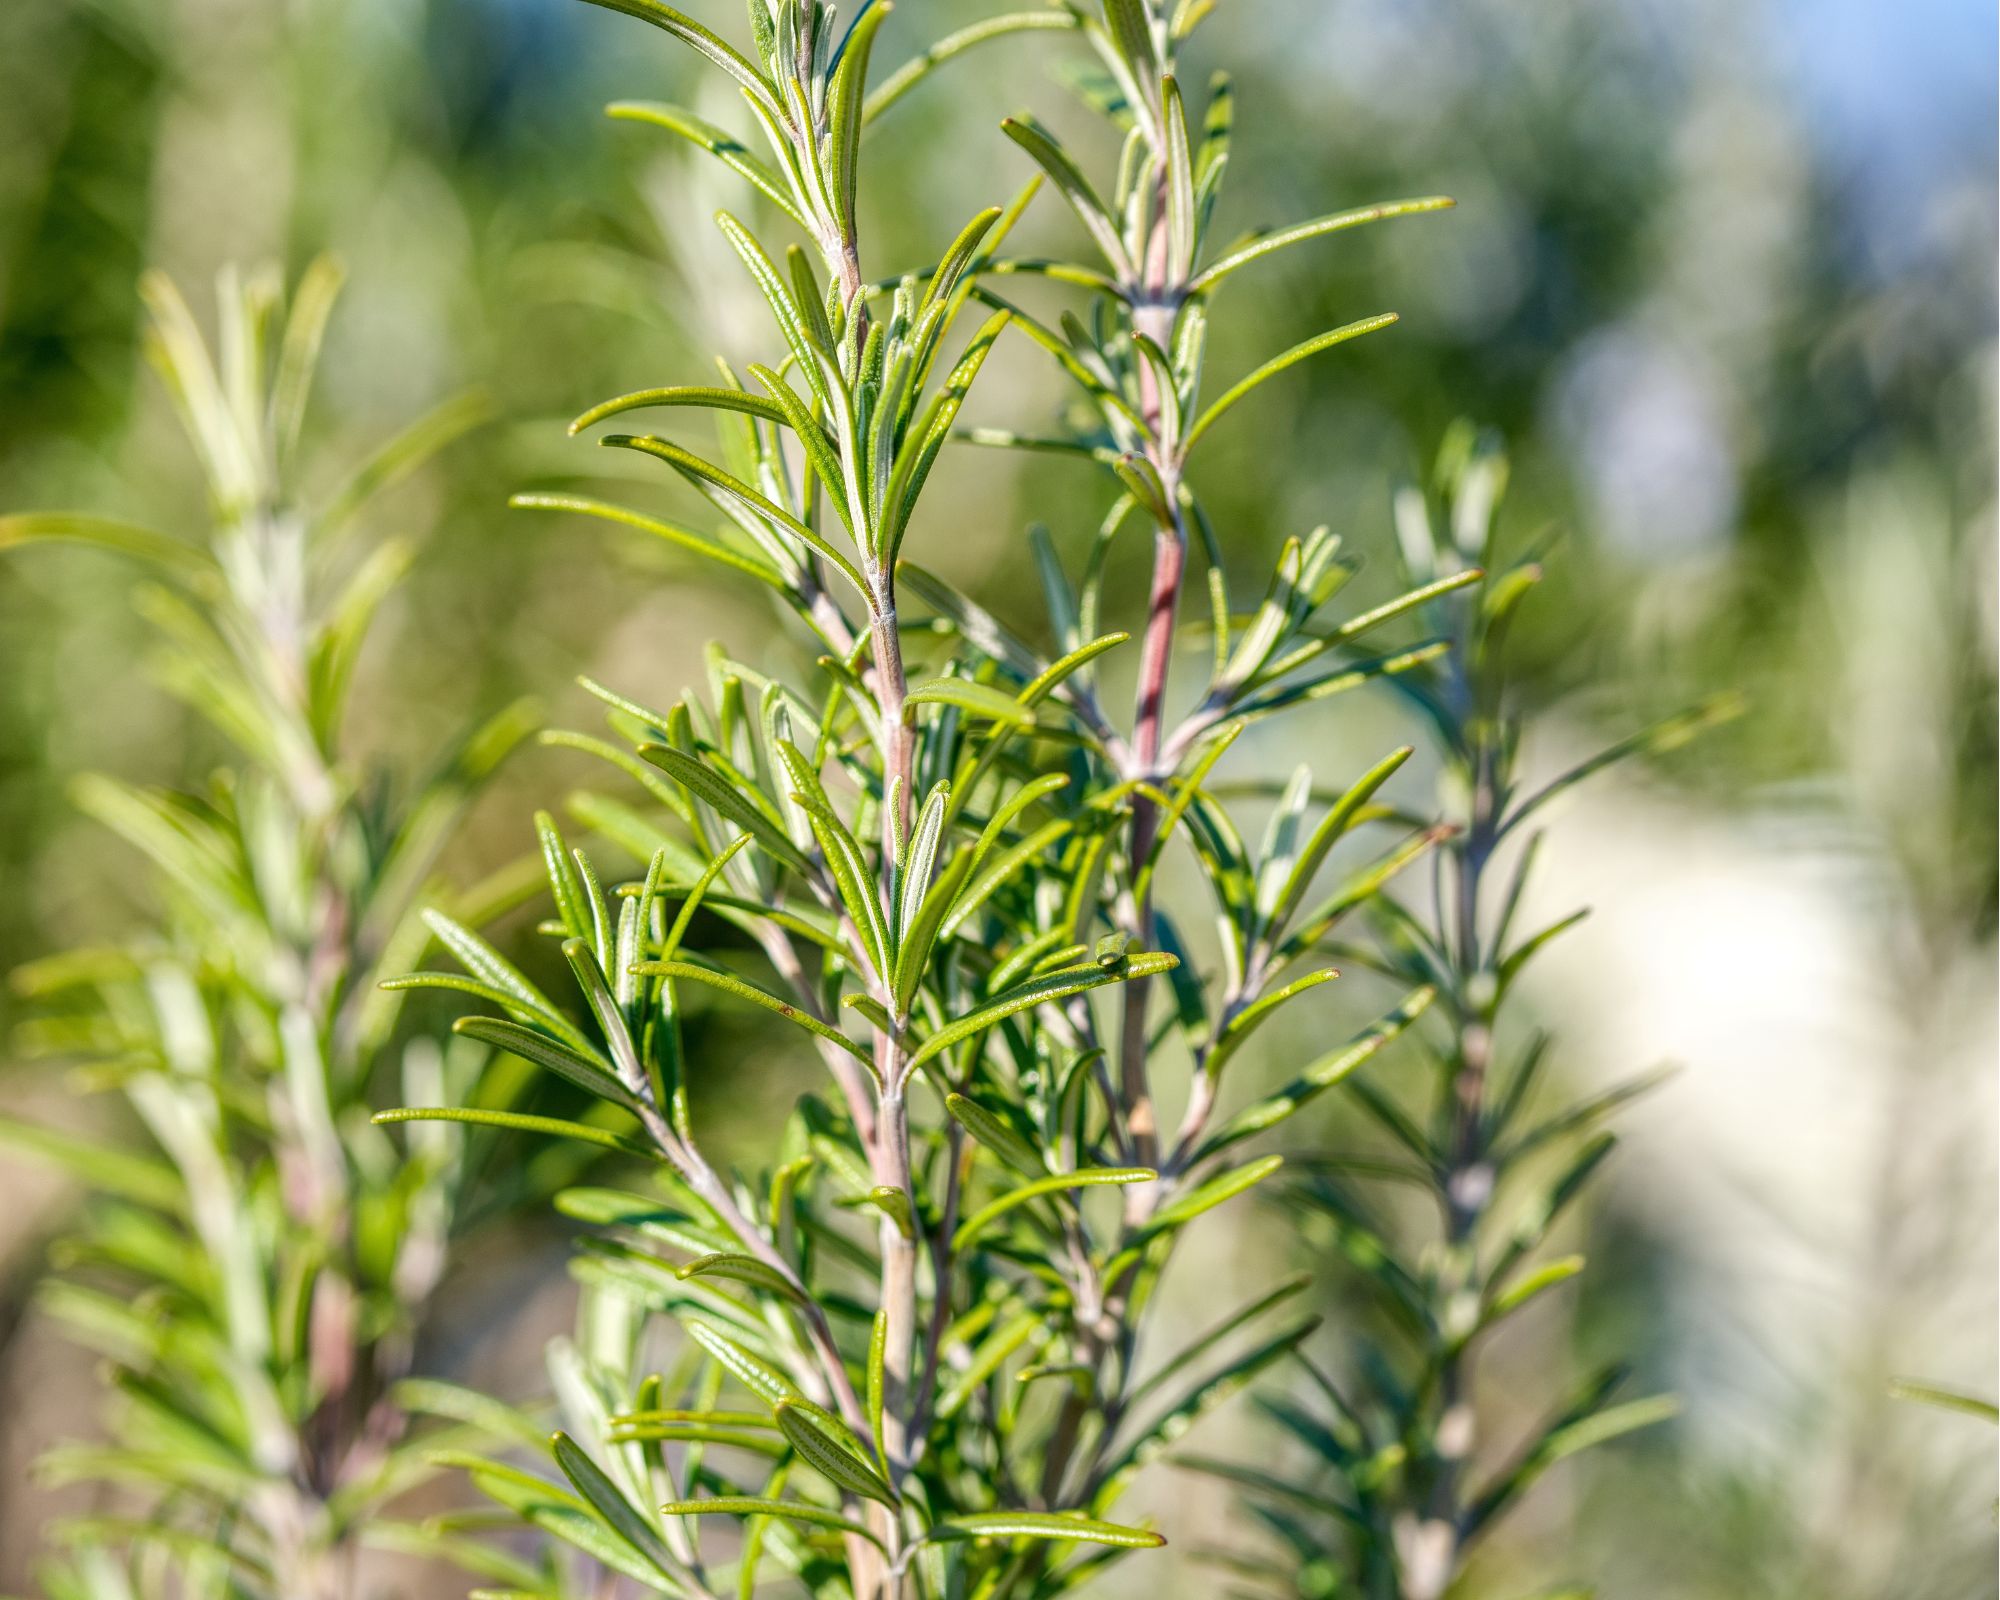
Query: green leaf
846,94
810,298
1074,187
298,354
1535,1283
117,1172
1946,1399
610,1504
742,1269
706,399
1252,1017
1217,127
1277,364
878,1359
690,32
832,1460
647,777
1264,244
1038,991
1512,963
729,983
433,1397
980,699
403,454
894,1204
1413,599
785,310
724,146
700,543
1172,1424
749,1506
1054,1183
1581,1115
106,533
1142,478
1198,1347
1581,1427
573,905
813,439
916,941
1051,678
752,1371
560,1513
1208,1195
1341,679
696,893
590,1072
747,1421
1661,737
1322,1075
1539,1216
948,277
1331,829
1044,1525
928,434
912,72
740,494
996,1134
1361,887
1132,36
988,1357
175,348
345,629
1181,217
710,786
519,1123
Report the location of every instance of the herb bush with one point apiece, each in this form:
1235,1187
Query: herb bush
942,845
1396,1495
915,1347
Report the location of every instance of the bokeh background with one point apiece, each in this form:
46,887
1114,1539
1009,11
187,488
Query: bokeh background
1722,272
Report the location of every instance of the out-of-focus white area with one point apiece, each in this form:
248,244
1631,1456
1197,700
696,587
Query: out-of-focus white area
1816,1165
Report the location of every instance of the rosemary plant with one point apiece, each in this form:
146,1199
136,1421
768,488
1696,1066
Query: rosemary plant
256,1267
933,858
1399,1493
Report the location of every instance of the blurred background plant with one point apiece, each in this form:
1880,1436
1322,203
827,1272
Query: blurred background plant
256,1265
1406,1483
1721,274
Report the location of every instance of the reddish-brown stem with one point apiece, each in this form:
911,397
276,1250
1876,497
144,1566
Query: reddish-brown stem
1156,656
1156,651
889,1156
898,739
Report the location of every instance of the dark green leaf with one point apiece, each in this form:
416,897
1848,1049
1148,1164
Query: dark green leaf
833,1461
610,1504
